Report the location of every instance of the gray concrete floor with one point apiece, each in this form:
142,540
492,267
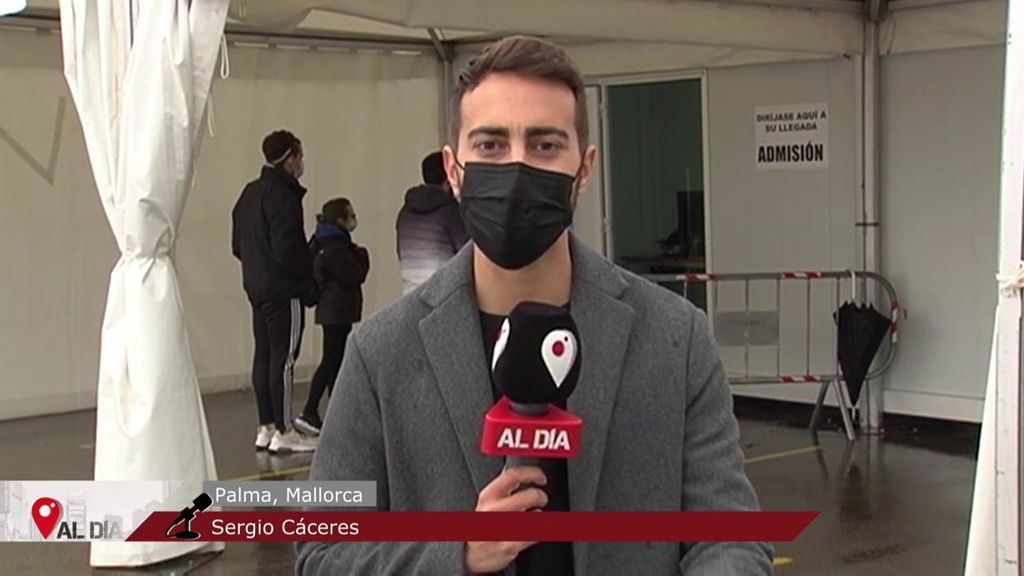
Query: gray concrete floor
897,504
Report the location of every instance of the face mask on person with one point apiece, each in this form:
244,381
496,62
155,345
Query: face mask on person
350,224
298,167
515,212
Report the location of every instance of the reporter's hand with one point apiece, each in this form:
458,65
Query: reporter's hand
501,496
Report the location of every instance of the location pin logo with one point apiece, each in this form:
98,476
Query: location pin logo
559,353
46,513
499,345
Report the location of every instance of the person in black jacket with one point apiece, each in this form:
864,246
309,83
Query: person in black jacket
267,236
340,268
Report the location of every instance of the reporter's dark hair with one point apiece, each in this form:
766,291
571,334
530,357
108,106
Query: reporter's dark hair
527,56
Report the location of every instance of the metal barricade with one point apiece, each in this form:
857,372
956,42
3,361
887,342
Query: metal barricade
737,323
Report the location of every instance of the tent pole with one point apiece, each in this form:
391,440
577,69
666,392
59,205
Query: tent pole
447,83
1008,314
868,225
446,57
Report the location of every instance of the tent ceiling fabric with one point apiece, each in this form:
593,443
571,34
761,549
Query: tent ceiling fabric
333,22
963,25
752,30
726,24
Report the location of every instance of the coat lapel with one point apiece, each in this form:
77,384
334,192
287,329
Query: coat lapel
605,325
454,345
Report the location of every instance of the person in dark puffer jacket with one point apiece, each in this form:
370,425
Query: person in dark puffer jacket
340,267
429,227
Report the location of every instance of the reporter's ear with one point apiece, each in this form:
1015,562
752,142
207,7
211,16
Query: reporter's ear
452,170
586,169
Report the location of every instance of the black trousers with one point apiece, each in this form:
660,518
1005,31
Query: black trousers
335,336
277,327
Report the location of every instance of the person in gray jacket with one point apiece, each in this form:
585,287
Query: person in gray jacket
429,229
408,407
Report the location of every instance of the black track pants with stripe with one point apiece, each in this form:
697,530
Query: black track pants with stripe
277,327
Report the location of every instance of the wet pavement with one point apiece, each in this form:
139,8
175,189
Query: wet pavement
892,504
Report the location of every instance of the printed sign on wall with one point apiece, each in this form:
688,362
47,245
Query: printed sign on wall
791,137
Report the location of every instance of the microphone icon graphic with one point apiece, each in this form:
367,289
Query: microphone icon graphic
201,503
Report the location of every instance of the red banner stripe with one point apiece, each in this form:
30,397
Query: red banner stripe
284,526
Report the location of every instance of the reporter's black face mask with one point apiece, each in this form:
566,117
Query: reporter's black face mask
515,212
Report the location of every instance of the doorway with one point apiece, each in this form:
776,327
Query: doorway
656,178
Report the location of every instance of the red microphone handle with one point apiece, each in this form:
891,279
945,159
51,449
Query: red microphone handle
530,411
507,433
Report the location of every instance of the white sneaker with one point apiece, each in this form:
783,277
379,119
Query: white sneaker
291,441
264,434
306,426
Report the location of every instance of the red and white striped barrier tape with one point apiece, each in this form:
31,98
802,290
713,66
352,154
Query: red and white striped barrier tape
696,277
894,307
800,275
806,379
894,330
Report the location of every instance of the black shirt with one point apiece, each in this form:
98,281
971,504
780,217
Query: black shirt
543,558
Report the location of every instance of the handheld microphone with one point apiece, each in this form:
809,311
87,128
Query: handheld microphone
201,503
536,364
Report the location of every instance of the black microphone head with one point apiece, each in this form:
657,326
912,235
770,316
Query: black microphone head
202,502
537,355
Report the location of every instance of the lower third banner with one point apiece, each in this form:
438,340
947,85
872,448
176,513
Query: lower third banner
321,526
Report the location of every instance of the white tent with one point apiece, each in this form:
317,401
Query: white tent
995,532
606,37
622,33
140,76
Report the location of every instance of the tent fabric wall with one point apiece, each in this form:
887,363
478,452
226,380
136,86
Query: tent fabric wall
778,220
940,130
57,230
763,220
366,120
54,240
940,189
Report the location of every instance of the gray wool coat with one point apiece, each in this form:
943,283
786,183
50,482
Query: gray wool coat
659,432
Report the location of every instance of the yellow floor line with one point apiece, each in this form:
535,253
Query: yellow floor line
784,454
271,474
782,561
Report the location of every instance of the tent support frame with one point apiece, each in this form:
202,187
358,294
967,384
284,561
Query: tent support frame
1008,394
868,226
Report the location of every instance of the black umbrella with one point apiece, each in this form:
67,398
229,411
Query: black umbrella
861,332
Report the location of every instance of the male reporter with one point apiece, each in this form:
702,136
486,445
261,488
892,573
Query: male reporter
659,433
